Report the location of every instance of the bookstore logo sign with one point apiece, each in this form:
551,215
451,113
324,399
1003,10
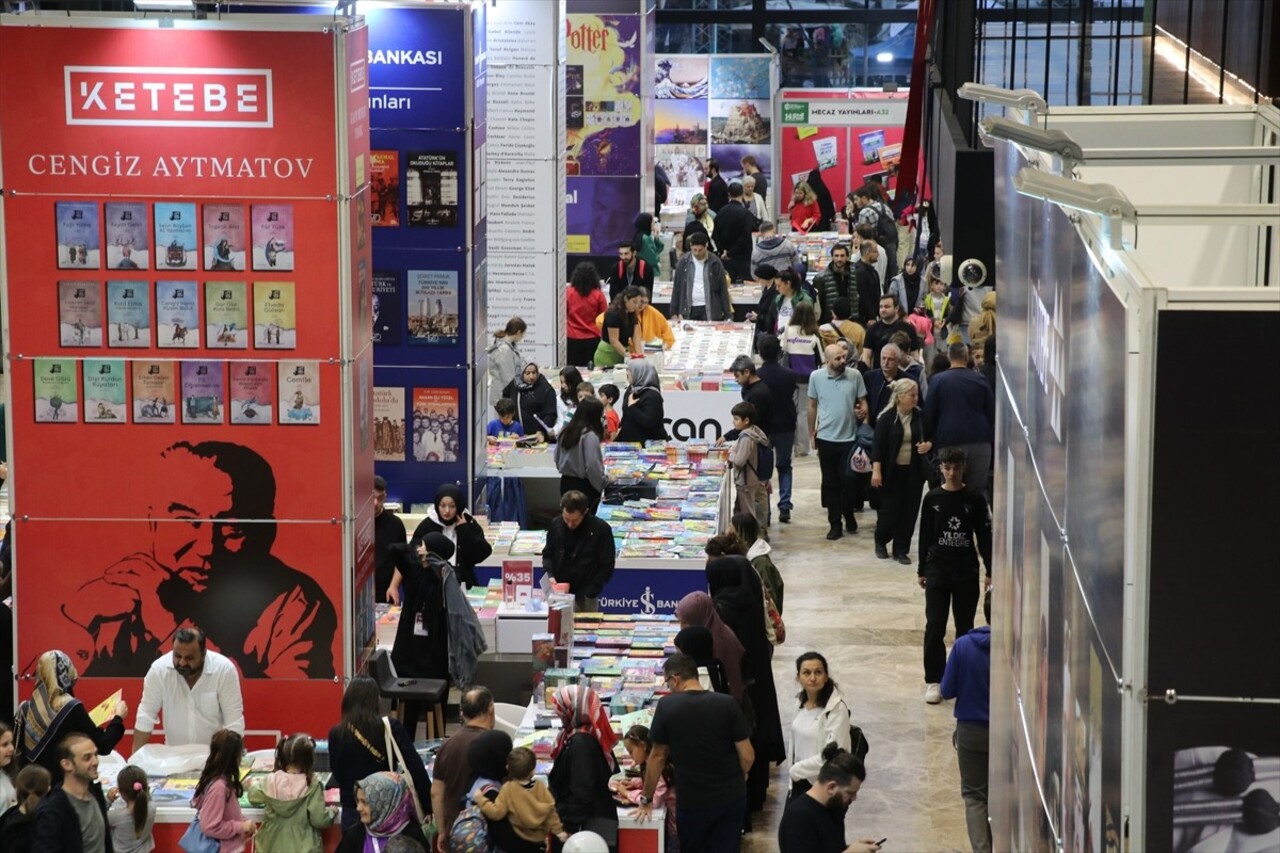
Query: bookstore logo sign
150,96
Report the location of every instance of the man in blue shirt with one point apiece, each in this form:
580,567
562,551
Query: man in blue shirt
833,392
960,412
968,680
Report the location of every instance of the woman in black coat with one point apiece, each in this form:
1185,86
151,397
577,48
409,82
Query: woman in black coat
643,411
535,401
897,469
449,516
583,752
53,712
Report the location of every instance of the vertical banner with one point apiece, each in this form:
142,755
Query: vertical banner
208,160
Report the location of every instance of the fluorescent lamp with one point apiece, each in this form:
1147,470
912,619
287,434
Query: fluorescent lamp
1023,99
1054,142
884,56
164,5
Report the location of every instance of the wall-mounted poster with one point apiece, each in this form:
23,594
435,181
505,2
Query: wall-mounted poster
299,392
54,381
202,392
384,189
253,392
226,315
743,121
680,122
79,244
431,189
128,235
273,249
177,242
128,314
275,324
177,314
433,307
740,77
388,425
79,314
685,77
685,165
224,237
104,391
386,308
153,394
604,52
435,424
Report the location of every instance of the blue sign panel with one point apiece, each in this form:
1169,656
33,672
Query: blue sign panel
418,68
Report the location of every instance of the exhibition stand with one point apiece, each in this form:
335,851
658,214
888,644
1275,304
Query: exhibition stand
1131,245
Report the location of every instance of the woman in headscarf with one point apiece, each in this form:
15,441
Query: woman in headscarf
700,219
449,516
487,757
53,712
825,203
583,753
698,610
696,642
642,408
386,811
535,401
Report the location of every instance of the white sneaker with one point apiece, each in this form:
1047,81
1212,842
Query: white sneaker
933,694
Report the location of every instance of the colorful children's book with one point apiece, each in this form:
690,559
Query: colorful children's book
79,242
128,235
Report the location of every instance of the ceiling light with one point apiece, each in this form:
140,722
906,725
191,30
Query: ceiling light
164,5
884,56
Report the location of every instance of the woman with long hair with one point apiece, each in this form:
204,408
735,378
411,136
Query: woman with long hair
217,796
579,453
897,469
567,399
584,763
643,409
386,811
648,241
8,768
802,347
823,718
618,340
700,219
504,358
358,748
584,301
805,212
53,712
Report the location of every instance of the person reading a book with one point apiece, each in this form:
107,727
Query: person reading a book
196,689
53,714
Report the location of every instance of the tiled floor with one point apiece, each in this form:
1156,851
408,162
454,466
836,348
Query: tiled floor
867,617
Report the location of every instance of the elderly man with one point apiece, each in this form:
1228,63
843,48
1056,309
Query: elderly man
834,389
880,380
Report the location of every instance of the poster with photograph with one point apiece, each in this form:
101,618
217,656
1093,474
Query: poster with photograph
177,315
388,425
177,241
79,243
299,392
128,235
104,391
128,314
384,188
684,77
253,392
79,314
386,308
224,237
435,424
54,383
743,122
431,189
433,307
273,248
226,315
275,324
202,392
153,392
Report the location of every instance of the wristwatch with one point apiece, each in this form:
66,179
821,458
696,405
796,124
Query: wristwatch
646,801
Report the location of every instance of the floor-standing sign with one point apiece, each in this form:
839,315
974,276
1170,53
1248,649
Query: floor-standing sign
190,382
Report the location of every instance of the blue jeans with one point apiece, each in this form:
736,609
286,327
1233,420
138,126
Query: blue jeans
783,445
711,829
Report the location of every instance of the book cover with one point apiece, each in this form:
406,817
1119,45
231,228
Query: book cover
272,237
79,243
299,392
431,189
54,381
386,308
177,314
106,709
128,236
253,392
202,392
153,400
104,392
224,237
128,314
388,425
177,244
384,188
433,307
435,425
79,314
226,315
274,315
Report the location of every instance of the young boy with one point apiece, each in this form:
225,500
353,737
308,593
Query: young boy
585,390
955,529
936,304
505,424
609,396
526,803
751,488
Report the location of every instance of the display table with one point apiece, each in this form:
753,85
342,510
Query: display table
744,296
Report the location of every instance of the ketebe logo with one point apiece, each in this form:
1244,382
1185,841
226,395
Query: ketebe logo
175,216
251,371
179,294
77,214
299,371
153,370
105,369
224,216
55,368
202,370
275,294
153,96
126,216
226,294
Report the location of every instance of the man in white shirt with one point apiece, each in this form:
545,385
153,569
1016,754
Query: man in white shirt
198,691
698,285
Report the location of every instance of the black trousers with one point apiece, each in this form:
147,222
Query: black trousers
581,351
899,507
569,484
837,494
954,589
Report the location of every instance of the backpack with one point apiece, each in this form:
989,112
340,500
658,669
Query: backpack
858,742
470,832
764,461
886,228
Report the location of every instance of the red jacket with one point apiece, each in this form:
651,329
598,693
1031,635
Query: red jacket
581,312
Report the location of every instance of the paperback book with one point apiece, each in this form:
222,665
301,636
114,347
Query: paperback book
299,392
177,315
253,391
128,237
226,315
224,237
274,315
385,188
54,381
128,314
104,391
433,307
386,308
272,237
79,314
202,392
431,189
177,243
153,399
388,425
79,243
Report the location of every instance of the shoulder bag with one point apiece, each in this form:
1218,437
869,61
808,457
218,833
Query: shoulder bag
396,764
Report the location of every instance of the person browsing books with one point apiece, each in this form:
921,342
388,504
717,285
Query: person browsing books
197,691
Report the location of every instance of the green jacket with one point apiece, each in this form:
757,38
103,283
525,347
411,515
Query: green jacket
292,825
651,250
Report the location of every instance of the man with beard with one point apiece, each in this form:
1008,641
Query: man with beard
814,821
837,282
197,690
208,564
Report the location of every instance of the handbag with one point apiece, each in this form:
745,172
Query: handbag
195,841
394,758
775,619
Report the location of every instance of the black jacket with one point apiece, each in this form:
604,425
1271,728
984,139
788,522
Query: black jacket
732,234
77,721
534,402
17,831
867,282
350,761
642,276
717,194
643,420
889,438
353,839
781,381
758,395
472,548
579,781
58,828
582,558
